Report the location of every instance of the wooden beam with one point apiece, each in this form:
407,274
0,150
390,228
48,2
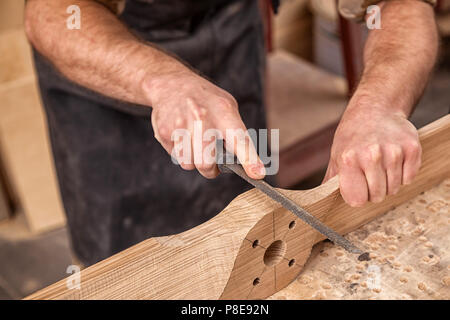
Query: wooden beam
252,249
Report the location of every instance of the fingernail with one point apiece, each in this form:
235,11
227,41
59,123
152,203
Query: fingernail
258,169
355,204
262,171
377,199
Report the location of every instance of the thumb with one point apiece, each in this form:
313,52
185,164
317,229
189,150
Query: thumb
240,144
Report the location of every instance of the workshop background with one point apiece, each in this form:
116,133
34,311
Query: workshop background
313,59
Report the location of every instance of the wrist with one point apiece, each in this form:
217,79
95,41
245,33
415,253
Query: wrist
162,75
365,101
168,80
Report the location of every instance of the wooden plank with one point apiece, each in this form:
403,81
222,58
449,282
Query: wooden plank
252,249
15,57
26,154
24,144
11,14
410,247
292,28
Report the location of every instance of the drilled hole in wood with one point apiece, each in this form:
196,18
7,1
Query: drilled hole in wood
292,225
256,281
291,262
255,243
274,253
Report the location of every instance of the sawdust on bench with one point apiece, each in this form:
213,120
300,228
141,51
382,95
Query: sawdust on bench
410,251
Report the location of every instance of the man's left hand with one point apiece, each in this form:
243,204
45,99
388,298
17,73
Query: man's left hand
374,152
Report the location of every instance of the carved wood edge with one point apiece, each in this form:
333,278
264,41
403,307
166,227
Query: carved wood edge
250,250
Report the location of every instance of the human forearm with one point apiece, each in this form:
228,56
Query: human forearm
375,148
106,57
103,56
398,58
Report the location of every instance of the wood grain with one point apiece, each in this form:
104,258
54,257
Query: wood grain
252,249
410,249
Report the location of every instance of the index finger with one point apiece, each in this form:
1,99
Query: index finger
239,142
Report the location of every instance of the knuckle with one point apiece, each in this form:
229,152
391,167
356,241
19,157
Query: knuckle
164,133
199,112
226,104
396,152
348,157
202,113
394,155
374,153
180,122
413,147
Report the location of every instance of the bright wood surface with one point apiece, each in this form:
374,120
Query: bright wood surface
252,249
410,250
24,145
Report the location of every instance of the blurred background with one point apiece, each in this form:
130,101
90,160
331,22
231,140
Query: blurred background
314,58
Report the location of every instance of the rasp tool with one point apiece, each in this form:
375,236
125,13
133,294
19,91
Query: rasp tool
294,208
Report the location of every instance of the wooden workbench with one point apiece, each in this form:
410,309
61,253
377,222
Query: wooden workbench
410,246
255,248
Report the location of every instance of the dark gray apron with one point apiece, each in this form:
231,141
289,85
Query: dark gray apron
118,185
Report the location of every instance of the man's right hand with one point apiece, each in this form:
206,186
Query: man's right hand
182,97
149,77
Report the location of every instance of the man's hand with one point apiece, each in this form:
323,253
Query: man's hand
183,97
376,149
121,66
374,152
